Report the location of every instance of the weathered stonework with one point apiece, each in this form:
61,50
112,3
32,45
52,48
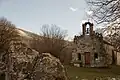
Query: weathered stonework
89,50
49,68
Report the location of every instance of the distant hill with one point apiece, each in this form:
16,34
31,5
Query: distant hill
28,33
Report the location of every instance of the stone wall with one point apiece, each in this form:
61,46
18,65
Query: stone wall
109,49
118,58
91,44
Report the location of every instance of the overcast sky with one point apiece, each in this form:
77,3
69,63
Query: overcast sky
32,14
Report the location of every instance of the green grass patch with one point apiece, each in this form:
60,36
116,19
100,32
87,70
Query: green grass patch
91,73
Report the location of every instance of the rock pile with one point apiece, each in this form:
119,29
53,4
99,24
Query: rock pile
28,64
19,62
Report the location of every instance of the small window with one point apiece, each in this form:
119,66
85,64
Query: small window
96,55
79,56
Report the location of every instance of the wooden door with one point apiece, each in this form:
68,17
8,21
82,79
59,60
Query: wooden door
87,57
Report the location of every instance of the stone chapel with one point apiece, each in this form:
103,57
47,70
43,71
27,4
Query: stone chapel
88,48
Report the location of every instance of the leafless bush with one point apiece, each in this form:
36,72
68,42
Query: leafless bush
51,41
7,33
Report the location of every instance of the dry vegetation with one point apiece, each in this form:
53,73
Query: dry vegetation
52,41
7,35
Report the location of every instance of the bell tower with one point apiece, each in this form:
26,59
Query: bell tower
87,28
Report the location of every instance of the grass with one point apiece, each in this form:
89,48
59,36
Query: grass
91,73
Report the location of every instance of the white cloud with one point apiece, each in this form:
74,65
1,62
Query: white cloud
73,9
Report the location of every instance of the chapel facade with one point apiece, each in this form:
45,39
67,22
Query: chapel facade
89,48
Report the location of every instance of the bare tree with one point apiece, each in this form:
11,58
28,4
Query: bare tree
7,35
53,31
105,10
51,40
113,35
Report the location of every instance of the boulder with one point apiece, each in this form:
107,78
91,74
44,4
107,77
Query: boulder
27,64
49,68
19,62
